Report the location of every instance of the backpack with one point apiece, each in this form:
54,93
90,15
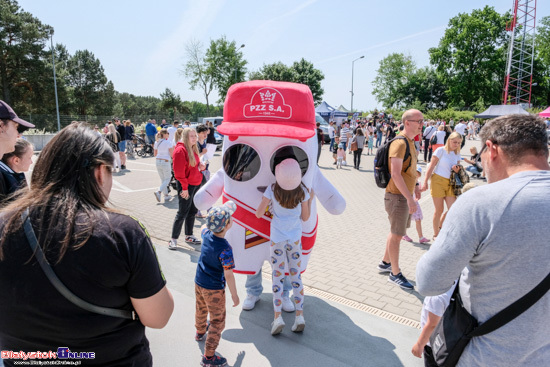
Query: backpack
433,140
382,173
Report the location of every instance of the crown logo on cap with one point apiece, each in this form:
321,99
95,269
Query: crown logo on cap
268,97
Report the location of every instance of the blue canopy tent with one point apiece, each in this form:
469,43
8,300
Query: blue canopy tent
330,113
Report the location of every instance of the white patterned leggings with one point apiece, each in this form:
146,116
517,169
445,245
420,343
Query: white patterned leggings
282,253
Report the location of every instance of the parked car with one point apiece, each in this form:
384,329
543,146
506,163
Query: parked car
324,126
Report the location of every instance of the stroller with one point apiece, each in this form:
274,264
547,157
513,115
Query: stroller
173,184
146,150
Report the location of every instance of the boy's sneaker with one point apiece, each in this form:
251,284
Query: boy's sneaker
401,281
199,337
277,326
424,240
299,324
384,267
407,238
250,302
173,244
214,361
192,240
288,305
157,195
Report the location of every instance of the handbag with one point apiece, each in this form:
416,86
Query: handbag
56,282
456,327
353,146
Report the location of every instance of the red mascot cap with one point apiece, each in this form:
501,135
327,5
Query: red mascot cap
268,108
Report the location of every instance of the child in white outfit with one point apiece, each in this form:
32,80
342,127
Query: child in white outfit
290,205
417,217
432,309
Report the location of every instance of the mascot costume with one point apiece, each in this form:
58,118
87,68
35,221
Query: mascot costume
264,123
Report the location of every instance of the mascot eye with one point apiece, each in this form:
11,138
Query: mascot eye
290,152
241,162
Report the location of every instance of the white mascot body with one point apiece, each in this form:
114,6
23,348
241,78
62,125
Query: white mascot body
264,123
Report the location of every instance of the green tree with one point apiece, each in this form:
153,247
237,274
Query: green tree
87,80
22,41
276,71
541,67
301,71
196,69
225,65
471,56
307,74
172,102
395,71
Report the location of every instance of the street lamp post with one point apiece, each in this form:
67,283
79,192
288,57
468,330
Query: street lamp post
55,84
235,61
352,80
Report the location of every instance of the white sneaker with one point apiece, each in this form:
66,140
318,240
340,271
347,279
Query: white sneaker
288,305
173,244
167,198
157,195
299,324
250,302
277,326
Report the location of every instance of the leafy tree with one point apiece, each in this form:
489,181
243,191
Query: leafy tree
394,73
172,102
225,65
87,81
307,74
541,67
196,69
471,56
22,40
276,71
301,71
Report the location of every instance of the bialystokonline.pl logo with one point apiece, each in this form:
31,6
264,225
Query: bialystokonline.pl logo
63,356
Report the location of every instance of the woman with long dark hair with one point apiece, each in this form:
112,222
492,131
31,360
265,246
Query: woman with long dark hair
102,257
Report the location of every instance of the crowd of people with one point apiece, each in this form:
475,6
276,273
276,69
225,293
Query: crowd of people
65,211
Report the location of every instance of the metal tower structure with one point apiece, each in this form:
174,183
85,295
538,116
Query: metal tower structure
521,53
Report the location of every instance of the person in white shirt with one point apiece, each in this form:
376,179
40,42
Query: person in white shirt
172,131
427,135
164,147
471,130
445,159
331,134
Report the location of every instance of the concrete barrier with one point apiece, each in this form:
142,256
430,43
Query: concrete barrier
40,140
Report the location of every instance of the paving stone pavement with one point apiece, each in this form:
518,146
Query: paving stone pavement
348,247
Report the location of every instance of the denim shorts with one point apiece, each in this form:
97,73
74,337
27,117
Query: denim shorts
122,146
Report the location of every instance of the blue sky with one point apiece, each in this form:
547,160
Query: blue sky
141,44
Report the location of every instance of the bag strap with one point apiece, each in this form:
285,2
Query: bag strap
56,282
514,310
407,150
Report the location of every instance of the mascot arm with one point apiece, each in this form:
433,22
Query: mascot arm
207,196
327,194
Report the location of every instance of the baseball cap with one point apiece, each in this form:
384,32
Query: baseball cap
419,169
269,108
7,113
288,174
218,217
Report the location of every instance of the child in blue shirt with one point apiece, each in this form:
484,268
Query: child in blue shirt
214,269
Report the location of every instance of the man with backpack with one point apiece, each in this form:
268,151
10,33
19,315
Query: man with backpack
427,135
400,193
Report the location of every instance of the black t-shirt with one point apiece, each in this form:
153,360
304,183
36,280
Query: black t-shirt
319,135
121,129
211,138
117,262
